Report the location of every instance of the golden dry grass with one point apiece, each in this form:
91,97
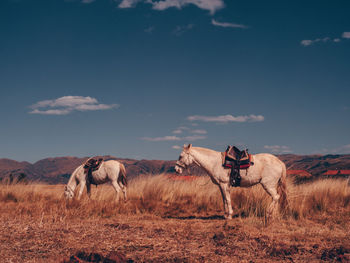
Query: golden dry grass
162,196
162,212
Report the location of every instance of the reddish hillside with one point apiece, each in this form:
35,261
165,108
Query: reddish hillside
58,170
53,167
8,164
316,164
10,169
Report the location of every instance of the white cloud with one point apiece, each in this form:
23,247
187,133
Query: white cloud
50,112
67,104
199,131
278,149
346,35
174,138
225,24
180,130
161,139
309,42
226,118
128,3
211,5
306,42
176,147
344,149
340,150
177,131
194,138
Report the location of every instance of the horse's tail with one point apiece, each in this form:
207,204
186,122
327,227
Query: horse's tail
282,188
122,175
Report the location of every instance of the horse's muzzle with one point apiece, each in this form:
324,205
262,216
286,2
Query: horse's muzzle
178,169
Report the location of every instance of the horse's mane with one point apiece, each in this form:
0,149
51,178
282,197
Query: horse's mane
73,175
205,150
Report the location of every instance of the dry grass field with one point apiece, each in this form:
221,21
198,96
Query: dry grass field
166,220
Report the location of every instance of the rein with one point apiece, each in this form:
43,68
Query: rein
201,185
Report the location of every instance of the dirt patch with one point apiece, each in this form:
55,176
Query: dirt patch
340,254
282,251
82,257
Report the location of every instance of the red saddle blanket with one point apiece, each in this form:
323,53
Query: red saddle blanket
235,159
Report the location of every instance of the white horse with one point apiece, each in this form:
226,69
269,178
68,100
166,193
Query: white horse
267,170
109,171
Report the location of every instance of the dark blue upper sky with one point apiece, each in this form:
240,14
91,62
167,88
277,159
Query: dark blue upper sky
139,78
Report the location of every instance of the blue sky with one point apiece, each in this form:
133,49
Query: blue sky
139,78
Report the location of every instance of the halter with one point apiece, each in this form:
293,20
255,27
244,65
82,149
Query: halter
183,165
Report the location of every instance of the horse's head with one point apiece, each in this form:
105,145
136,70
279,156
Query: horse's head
68,192
185,159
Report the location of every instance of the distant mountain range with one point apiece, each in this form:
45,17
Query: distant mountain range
59,169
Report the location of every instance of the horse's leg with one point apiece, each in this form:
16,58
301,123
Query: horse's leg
88,189
227,191
123,187
82,185
272,191
224,199
116,188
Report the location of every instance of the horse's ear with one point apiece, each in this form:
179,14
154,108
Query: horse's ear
185,146
189,146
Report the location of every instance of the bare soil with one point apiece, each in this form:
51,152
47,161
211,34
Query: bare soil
146,238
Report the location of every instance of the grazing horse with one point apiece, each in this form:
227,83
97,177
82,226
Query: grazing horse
109,171
267,170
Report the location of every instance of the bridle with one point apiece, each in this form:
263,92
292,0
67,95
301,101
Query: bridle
183,165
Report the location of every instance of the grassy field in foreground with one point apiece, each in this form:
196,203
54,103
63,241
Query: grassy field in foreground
163,196
168,220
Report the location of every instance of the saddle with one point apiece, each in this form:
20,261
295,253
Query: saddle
236,160
91,165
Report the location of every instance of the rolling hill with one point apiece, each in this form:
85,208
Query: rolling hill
58,169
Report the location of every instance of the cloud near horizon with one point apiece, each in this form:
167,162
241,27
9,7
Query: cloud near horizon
346,35
199,131
174,138
67,104
229,25
278,149
176,147
226,118
344,149
310,42
211,5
